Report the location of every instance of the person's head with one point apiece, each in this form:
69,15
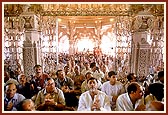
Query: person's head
104,68
38,69
92,84
60,74
60,58
66,69
10,90
6,76
22,79
27,105
18,71
88,75
86,64
135,91
161,76
112,77
157,89
11,80
156,106
93,66
49,85
77,69
131,77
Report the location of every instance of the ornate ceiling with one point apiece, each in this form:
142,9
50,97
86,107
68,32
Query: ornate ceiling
83,14
109,9
88,15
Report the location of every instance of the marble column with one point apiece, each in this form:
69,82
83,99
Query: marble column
141,48
141,57
31,47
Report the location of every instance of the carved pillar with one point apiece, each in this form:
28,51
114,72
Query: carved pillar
28,57
141,49
71,38
143,58
30,50
141,54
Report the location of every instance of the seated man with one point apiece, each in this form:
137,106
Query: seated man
113,88
84,86
12,99
66,84
93,99
131,77
25,88
97,73
38,78
26,105
50,98
156,93
130,101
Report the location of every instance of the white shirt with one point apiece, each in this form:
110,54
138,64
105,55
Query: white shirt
85,101
17,98
113,90
124,103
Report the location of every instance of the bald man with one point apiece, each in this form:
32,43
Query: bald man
28,105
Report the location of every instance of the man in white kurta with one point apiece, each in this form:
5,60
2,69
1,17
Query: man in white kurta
93,99
85,101
113,88
113,91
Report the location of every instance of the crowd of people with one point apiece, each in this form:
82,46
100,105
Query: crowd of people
87,85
